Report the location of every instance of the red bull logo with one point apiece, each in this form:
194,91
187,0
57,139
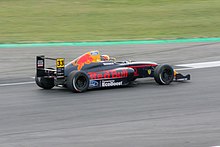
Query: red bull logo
109,74
86,58
82,60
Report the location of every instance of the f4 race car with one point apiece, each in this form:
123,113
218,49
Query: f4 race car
92,70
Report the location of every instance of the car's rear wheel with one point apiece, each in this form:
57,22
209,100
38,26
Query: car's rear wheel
78,81
45,83
163,74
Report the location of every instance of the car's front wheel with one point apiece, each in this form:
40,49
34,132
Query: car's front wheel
163,74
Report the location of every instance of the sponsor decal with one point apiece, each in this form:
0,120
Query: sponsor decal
93,83
40,63
109,74
149,71
94,53
60,72
110,83
82,60
110,63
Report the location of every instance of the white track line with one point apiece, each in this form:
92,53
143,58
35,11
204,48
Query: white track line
13,84
201,65
180,69
186,67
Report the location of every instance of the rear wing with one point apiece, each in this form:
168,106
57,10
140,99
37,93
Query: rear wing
42,71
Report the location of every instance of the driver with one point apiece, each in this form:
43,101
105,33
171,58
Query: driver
105,58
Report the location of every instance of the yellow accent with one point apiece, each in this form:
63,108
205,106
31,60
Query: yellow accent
59,62
96,57
149,71
174,72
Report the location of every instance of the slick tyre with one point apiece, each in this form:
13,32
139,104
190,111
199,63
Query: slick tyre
45,83
163,74
78,81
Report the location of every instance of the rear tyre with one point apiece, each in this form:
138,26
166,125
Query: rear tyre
163,74
78,81
45,83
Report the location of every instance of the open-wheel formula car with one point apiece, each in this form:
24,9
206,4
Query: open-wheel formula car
92,70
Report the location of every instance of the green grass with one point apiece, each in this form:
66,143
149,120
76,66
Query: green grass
83,20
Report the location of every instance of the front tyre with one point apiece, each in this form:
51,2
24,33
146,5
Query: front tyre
78,81
45,83
163,74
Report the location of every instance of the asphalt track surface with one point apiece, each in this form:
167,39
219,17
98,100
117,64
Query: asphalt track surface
183,114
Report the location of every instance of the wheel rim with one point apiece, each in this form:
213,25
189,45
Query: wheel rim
81,82
167,75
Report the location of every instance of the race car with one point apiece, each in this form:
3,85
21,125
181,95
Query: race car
93,70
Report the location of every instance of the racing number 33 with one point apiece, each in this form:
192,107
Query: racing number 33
60,62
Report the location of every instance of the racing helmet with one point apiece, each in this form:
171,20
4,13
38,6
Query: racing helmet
105,58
